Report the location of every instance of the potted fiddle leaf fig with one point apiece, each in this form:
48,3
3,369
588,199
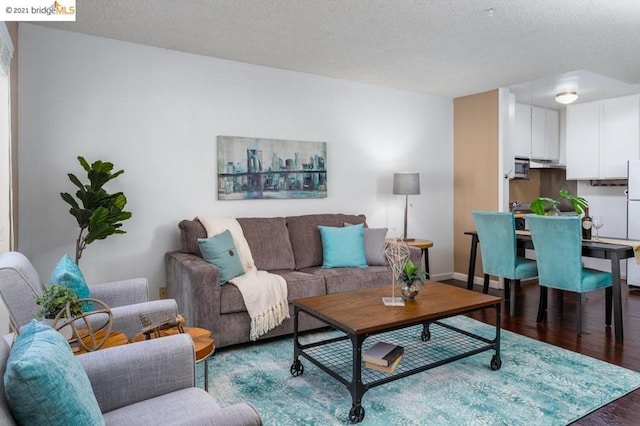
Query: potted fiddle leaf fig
99,214
539,205
410,279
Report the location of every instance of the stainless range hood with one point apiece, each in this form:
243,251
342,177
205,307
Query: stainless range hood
545,164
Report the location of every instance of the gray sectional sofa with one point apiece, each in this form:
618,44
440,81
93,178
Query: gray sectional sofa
288,246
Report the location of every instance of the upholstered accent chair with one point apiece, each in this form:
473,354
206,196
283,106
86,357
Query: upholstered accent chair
128,299
146,383
497,236
558,244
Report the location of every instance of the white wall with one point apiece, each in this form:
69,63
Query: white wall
156,113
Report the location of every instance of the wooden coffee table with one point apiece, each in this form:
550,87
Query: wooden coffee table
203,343
361,314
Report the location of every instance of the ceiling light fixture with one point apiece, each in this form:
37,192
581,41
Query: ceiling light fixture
566,97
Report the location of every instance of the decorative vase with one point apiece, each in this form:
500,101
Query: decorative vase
410,290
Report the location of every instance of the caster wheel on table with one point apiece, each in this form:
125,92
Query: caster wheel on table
496,363
297,368
356,414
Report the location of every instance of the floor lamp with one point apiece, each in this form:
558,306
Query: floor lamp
406,184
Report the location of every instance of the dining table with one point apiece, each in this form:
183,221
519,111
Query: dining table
613,249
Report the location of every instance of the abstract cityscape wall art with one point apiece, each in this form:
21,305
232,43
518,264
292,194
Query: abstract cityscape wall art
260,168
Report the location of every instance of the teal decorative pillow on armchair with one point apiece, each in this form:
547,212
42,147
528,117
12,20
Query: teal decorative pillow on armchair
44,382
68,274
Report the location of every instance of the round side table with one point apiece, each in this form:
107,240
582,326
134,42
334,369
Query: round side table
202,341
115,338
423,245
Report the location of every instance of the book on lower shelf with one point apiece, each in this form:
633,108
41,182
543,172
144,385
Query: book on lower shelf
388,369
382,353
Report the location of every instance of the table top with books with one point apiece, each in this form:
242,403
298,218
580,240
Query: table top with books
383,356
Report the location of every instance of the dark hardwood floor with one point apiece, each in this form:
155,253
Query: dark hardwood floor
597,340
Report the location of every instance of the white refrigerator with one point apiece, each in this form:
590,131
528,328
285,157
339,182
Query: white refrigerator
633,218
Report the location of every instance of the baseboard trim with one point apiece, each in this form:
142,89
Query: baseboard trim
477,280
442,277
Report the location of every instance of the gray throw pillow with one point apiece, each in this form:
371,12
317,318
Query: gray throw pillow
374,241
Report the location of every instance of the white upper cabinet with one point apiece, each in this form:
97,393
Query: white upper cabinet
552,135
537,133
601,137
583,140
522,142
538,122
619,135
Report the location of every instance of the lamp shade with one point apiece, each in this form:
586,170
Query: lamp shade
406,183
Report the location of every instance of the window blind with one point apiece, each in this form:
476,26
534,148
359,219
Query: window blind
6,49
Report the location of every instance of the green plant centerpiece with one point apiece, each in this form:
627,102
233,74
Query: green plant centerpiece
53,299
539,205
410,280
99,214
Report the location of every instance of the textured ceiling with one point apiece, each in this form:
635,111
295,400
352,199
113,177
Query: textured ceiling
444,47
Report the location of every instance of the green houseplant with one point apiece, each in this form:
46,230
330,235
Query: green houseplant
53,299
539,205
410,279
99,214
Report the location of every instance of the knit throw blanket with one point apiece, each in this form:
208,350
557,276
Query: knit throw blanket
264,294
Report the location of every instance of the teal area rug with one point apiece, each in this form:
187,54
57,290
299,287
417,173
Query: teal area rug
538,384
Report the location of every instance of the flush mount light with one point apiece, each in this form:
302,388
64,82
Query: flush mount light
566,97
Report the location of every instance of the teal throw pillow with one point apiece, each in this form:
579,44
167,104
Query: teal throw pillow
68,274
44,382
220,251
343,247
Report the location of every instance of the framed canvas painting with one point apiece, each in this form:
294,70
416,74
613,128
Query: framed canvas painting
259,168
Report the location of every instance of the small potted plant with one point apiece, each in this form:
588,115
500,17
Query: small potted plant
539,205
410,280
53,299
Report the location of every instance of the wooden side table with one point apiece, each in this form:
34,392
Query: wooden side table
423,245
115,339
202,341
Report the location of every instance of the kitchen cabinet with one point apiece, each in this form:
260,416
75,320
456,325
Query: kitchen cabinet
552,135
522,142
537,133
620,132
583,140
601,137
545,134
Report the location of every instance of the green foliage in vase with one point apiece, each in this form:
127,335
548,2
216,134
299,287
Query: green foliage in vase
539,205
98,213
54,298
411,273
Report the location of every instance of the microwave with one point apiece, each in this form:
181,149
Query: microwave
521,168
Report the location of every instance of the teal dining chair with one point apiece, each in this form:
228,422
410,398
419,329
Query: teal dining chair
557,241
497,236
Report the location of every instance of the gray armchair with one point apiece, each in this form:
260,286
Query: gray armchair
20,284
151,382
